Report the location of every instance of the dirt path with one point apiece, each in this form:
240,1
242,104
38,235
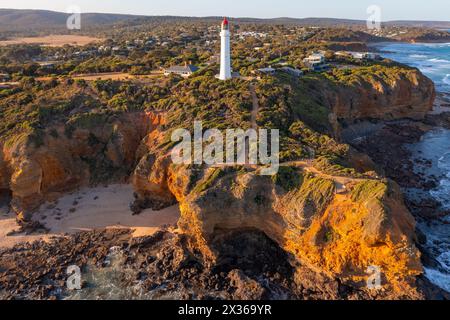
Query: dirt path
340,181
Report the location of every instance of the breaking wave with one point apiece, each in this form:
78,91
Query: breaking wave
446,79
438,278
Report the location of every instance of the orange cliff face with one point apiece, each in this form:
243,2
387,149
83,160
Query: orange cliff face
67,160
337,234
407,94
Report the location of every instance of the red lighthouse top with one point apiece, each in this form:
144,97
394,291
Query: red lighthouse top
225,23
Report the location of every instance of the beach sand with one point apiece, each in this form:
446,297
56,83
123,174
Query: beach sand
88,209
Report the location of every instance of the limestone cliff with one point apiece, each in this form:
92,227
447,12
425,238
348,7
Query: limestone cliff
337,219
339,226
69,157
335,231
408,94
377,94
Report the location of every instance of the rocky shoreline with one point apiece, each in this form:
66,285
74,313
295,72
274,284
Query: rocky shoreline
389,148
251,267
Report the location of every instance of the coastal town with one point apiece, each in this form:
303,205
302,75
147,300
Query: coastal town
263,51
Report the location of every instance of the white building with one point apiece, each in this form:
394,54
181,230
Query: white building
225,55
316,62
315,58
358,55
185,71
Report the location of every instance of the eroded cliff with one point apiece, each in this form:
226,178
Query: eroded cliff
66,158
326,207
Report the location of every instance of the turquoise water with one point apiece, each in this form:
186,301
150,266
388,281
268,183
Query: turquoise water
434,61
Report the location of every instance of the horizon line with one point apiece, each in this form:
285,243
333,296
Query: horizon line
237,17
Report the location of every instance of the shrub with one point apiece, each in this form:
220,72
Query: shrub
288,178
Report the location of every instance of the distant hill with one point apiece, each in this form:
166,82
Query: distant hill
34,21
422,24
12,20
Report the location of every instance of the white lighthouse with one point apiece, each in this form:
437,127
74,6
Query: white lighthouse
225,56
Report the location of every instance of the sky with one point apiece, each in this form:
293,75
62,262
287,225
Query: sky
350,9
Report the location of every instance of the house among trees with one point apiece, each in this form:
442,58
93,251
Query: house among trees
316,62
184,71
358,55
292,71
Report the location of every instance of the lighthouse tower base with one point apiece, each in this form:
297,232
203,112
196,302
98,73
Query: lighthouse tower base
234,75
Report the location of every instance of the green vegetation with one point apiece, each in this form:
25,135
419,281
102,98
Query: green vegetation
209,180
35,105
288,178
316,192
299,107
385,73
373,194
88,120
103,64
330,235
217,103
335,166
370,189
296,107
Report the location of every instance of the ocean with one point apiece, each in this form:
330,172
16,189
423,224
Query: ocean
434,61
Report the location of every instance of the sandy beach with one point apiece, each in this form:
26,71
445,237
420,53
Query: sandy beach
89,209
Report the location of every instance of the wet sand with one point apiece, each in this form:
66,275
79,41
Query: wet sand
8,224
89,209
